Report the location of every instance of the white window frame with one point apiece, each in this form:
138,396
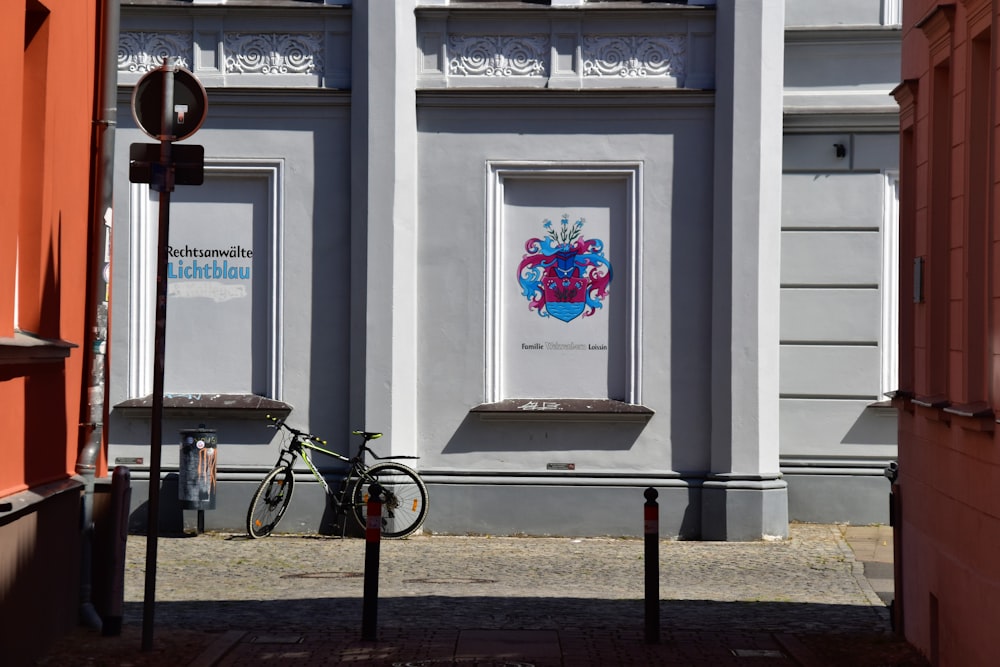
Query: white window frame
889,343
143,221
631,175
892,12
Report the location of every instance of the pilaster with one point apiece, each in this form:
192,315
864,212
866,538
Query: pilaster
383,220
744,496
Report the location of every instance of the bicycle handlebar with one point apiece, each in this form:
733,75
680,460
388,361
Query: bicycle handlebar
281,423
367,435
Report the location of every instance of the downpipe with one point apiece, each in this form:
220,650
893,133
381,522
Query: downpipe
102,200
86,468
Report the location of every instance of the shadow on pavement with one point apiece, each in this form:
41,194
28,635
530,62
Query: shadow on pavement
543,632
519,612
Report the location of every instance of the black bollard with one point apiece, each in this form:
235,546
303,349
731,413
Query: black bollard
121,494
373,537
651,514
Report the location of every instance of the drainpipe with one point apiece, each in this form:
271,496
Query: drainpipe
93,408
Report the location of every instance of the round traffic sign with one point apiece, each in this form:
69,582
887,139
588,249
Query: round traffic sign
186,108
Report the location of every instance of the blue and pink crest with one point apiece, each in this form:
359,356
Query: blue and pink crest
564,275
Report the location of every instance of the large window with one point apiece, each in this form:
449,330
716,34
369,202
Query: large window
28,314
563,269
889,342
977,236
223,300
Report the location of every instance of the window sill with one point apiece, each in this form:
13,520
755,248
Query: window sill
882,408
931,407
901,399
937,401
235,406
978,416
27,348
972,416
561,409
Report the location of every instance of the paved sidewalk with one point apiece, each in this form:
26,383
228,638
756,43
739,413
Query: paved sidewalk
567,602
873,548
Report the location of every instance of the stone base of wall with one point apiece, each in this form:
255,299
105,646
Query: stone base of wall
39,569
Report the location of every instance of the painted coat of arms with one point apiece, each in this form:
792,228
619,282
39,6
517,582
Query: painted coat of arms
564,275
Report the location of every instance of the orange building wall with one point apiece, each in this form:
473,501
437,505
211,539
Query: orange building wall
949,448
45,125
48,88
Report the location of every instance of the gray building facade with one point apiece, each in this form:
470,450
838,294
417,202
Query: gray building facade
839,253
389,190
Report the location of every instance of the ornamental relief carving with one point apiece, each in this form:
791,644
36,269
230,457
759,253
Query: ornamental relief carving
246,53
144,51
274,53
635,56
498,55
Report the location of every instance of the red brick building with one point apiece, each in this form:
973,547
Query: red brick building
948,587
51,130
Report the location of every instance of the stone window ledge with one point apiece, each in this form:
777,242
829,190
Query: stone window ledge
27,348
976,416
236,406
561,409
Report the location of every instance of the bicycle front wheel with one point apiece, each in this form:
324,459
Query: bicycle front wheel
270,501
405,506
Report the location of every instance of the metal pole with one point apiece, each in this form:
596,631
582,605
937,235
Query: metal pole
159,350
651,516
373,536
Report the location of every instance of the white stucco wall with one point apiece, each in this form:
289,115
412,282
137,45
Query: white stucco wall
743,318
456,141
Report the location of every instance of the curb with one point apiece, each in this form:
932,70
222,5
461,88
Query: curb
858,571
218,649
798,651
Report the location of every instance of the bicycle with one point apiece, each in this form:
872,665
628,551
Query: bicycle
404,506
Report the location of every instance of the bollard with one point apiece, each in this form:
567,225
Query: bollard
373,537
121,494
896,523
651,516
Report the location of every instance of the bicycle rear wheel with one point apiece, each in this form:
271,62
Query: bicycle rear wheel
270,501
405,506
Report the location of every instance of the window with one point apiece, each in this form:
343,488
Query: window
27,317
977,237
223,282
890,285
892,12
563,270
29,261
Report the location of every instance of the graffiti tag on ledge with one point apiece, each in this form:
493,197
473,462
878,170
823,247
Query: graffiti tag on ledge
536,406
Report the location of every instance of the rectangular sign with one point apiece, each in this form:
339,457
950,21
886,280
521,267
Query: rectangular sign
188,161
217,275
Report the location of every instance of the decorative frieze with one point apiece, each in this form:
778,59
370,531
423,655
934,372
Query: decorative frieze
634,56
498,55
274,53
144,51
621,56
222,58
631,48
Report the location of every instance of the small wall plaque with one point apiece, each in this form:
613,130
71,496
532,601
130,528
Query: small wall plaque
128,460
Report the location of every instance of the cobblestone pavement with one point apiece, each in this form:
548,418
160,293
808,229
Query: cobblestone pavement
228,600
